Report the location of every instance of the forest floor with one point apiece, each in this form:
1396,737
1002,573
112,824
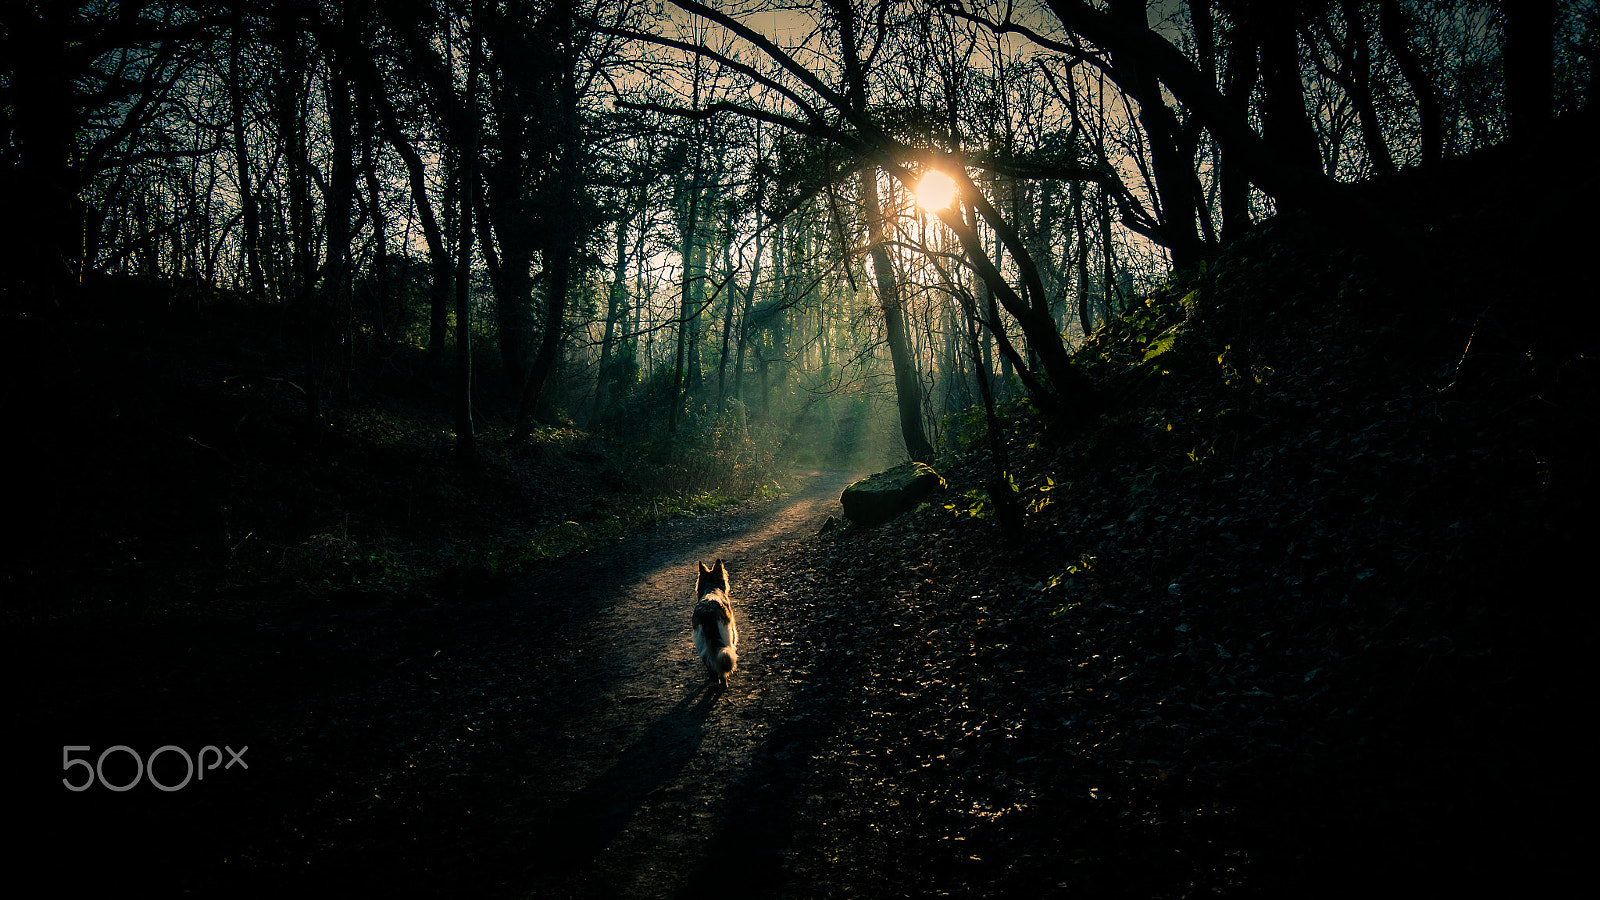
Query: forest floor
1294,616
556,739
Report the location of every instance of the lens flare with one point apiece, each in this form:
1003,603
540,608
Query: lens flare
935,191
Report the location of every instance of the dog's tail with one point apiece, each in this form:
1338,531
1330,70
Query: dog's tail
727,658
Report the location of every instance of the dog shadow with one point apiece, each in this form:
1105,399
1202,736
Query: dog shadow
592,819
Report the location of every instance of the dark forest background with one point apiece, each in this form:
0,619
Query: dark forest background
677,247
1256,348
651,221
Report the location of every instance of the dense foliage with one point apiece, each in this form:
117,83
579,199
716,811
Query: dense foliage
615,215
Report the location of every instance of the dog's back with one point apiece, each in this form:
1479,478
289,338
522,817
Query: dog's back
716,636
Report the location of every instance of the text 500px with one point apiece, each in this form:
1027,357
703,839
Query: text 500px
176,759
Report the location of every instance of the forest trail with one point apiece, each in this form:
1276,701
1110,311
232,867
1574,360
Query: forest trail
652,764
558,739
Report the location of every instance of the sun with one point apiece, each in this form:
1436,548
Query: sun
935,191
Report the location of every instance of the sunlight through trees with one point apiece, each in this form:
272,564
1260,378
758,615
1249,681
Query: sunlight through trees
935,191
647,212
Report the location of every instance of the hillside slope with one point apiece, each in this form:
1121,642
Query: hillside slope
1295,617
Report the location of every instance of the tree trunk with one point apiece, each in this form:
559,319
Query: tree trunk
727,311
1395,27
42,245
1289,180
1358,83
1172,171
254,277
1285,124
337,204
424,63
688,251
998,485
1080,227
536,189
1068,394
1233,176
616,305
383,288
292,130
558,285
907,385
1530,72
1108,283
466,439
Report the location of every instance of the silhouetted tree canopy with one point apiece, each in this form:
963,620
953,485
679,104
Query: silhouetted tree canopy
697,188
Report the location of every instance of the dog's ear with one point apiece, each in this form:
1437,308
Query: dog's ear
703,569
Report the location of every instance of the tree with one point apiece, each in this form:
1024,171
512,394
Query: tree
1084,161
908,386
869,142
1173,167
79,91
466,438
616,310
1395,26
249,208
1530,67
1281,168
1354,77
375,92
339,196
691,189
563,208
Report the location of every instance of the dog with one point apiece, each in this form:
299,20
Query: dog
716,637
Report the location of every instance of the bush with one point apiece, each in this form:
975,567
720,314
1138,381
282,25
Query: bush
719,454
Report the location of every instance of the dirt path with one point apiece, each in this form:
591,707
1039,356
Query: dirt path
647,755
557,740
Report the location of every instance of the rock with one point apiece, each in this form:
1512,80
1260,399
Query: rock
885,495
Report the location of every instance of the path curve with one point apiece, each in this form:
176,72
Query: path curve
556,739
649,750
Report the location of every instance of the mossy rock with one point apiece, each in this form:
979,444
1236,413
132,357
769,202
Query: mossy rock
885,495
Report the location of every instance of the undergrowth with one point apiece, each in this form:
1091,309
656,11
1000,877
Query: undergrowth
1277,623
185,475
